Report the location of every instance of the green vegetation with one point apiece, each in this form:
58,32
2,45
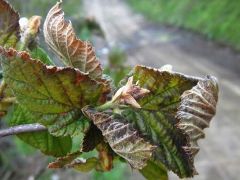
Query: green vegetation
150,121
219,20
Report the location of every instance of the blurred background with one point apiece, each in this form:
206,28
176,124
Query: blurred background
196,37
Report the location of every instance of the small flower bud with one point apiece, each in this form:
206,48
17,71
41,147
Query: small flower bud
129,93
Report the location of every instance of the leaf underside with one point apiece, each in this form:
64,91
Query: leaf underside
162,117
9,26
61,38
45,142
53,95
156,119
122,137
197,108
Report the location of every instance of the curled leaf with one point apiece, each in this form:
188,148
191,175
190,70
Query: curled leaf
157,120
196,110
122,137
9,26
61,38
54,95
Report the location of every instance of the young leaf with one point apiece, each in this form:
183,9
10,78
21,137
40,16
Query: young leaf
53,95
9,27
45,142
197,108
61,38
156,119
122,137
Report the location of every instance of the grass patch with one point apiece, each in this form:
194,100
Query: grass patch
218,20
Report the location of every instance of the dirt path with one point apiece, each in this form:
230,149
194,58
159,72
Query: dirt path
153,45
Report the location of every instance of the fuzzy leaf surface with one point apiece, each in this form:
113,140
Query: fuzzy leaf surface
156,119
196,110
44,141
122,137
53,95
9,26
60,36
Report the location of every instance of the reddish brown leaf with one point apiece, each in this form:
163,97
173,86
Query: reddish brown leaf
61,38
122,137
196,110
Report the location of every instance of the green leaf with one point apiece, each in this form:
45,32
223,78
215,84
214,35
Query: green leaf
154,170
39,53
53,95
61,38
9,27
156,119
122,137
45,142
196,110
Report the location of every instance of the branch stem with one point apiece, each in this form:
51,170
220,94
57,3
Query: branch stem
106,106
26,128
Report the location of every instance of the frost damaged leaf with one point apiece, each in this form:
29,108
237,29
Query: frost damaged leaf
156,119
45,142
9,26
196,110
122,137
54,95
61,38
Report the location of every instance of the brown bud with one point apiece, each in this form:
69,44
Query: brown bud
129,93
